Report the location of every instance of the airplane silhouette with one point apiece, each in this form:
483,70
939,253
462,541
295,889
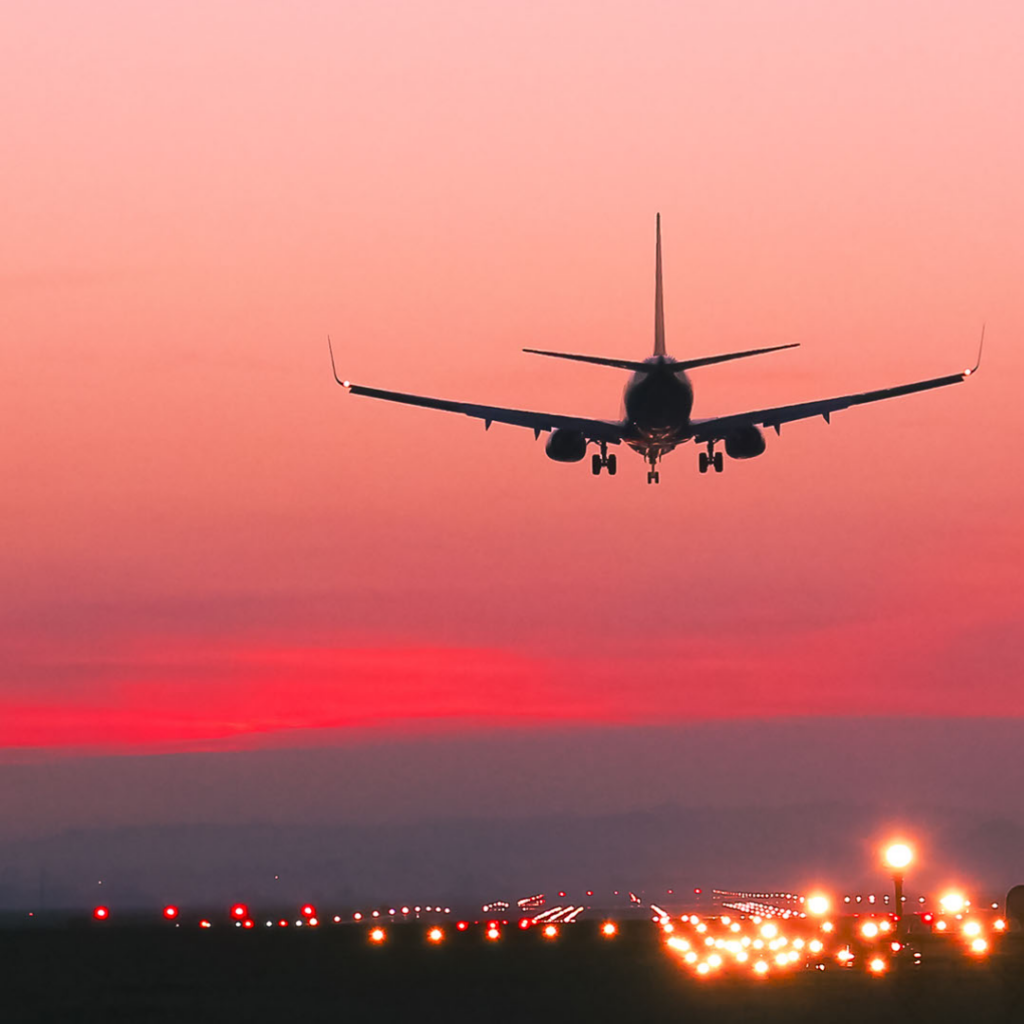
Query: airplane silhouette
658,401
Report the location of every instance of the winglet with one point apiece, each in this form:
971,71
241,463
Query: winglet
981,346
344,383
659,301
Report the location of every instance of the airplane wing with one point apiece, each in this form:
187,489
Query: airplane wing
720,427
595,430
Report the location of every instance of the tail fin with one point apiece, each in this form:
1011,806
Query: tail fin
659,300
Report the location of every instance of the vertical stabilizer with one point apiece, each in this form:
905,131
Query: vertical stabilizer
659,302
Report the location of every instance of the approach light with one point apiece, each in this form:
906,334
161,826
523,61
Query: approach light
493,933
940,926
435,935
953,902
378,935
979,946
972,929
101,913
239,911
608,929
308,910
999,925
550,932
817,905
877,965
170,912
761,967
869,930
898,856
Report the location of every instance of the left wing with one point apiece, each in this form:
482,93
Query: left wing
720,427
594,430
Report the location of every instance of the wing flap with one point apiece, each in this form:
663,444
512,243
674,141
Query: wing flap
595,430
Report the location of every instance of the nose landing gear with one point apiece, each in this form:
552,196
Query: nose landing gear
710,458
603,461
652,475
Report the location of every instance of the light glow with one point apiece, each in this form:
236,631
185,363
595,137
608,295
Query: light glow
898,856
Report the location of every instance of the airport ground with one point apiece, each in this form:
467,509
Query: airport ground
85,974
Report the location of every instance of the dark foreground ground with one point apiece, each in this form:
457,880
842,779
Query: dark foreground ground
334,974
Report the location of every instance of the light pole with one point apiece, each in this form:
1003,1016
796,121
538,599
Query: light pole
898,856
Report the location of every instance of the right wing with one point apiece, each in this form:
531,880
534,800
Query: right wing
593,430
722,426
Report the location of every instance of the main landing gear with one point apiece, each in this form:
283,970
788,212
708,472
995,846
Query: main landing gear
711,458
603,461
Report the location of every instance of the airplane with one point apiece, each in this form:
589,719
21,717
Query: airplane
657,400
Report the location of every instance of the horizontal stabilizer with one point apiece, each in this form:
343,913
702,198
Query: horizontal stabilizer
689,364
658,362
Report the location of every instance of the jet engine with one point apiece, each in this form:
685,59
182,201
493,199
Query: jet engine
566,446
747,443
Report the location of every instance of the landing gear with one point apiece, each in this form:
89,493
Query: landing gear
652,474
710,458
603,461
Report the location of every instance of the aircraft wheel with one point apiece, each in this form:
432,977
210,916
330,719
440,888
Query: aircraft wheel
595,465
702,462
612,465
719,462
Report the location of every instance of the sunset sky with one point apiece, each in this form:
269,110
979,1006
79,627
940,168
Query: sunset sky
210,546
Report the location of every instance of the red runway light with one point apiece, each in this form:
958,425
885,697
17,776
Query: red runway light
462,926
248,923
101,913
282,923
239,911
205,924
524,922
170,912
308,910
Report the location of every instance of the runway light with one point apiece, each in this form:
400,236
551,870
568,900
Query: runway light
869,930
714,960
308,910
313,922
101,913
818,905
769,931
239,911
524,923
940,926
668,928
844,956
953,902
435,935
378,935
170,912
608,929
815,945
877,965
999,925
972,929
760,967
493,933
703,969
898,856
979,946
282,923
205,924
550,932
827,927
248,923
357,916
337,919
884,926
462,926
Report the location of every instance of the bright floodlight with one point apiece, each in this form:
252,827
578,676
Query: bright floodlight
817,905
953,902
898,856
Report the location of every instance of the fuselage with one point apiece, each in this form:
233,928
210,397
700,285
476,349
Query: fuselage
657,405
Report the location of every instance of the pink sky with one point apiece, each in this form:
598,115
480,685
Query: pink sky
208,543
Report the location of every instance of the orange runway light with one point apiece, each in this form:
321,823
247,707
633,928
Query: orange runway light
979,946
878,965
435,935
608,929
550,932
493,933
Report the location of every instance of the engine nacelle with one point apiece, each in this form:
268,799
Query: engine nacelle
747,443
566,446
